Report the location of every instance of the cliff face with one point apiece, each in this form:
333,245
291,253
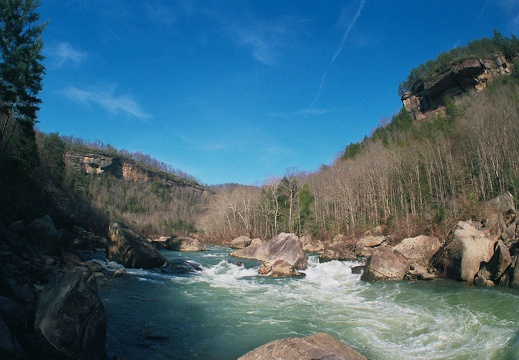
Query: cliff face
93,163
426,97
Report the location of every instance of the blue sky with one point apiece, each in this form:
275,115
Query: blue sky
240,91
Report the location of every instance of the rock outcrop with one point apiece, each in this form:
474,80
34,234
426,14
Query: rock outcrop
70,317
281,247
469,75
131,249
316,346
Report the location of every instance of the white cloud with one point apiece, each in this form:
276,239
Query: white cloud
115,104
63,53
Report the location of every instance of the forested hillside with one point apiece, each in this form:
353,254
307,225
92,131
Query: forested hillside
408,177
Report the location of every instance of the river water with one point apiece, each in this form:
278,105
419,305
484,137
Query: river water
226,310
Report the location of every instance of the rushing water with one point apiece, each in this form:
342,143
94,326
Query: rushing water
226,310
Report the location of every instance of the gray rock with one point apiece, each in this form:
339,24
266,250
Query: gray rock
70,318
333,252
131,249
9,346
282,247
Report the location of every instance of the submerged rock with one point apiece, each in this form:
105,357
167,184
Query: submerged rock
179,266
280,268
316,346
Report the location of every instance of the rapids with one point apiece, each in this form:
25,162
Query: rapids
226,310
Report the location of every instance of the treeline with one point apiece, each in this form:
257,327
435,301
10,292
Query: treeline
409,177
477,49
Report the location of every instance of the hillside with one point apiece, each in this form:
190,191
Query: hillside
432,165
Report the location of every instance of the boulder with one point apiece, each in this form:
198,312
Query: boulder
498,263
70,318
131,249
240,242
43,234
282,247
185,244
280,268
256,241
9,346
333,252
179,266
311,245
81,240
366,245
316,346
462,256
385,264
419,250
514,277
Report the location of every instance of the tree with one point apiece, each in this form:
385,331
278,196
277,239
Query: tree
21,67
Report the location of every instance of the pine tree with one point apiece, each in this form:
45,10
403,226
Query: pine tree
21,67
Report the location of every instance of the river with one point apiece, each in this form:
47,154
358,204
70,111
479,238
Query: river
226,310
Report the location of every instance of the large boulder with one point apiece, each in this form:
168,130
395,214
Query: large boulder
185,244
463,255
240,242
70,318
419,250
282,247
497,264
366,245
131,249
334,252
514,281
385,264
316,346
43,235
311,245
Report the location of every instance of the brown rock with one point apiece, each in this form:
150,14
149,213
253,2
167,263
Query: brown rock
385,264
316,346
332,252
185,244
366,245
419,250
240,242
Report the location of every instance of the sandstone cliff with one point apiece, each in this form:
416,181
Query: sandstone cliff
426,97
98,163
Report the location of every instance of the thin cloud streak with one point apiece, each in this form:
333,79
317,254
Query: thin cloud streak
339,50
64,53
106,99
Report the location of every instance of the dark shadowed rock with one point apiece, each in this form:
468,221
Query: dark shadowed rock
9,346
385,264
43,235
240,242
70,318
131,249
179,266
316,346
334,252
282,247
185,244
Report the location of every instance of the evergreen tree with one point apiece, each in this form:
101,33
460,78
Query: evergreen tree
21,67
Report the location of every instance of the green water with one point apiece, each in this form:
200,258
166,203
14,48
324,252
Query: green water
226,310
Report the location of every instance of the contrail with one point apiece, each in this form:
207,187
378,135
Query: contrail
339,50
